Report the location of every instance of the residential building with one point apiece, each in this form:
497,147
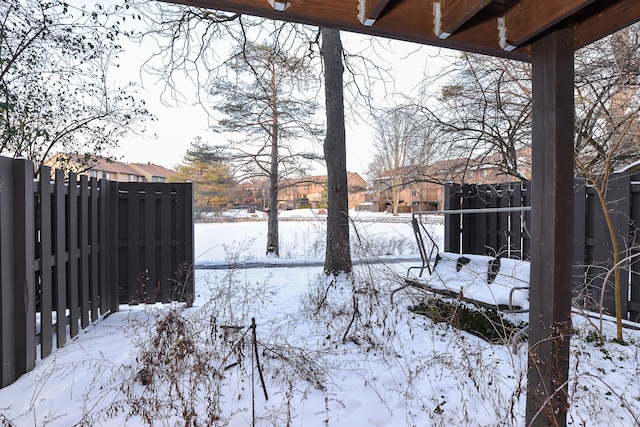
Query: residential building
312,191
422,188
101,168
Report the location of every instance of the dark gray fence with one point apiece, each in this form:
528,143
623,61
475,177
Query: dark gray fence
73,250
508,234
495,233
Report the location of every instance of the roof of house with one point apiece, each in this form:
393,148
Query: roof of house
153,169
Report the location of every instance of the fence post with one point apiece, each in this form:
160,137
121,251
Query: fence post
7,290
24,267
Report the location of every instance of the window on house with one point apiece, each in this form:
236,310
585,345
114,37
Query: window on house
105,175
93,174
158,179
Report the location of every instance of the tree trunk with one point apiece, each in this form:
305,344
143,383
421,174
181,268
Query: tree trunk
338,253
395,191
273,246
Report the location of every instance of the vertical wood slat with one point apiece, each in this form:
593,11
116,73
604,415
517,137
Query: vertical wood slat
102,239
24,267
189,241
601,258
180,268
43,228
503,220
83,235
151,285
468,238
112,266
452,222
634,300
165,246
61,257
493,244
579,238
515,220
94,295
73,268
526,227
618,192
8,329
133,244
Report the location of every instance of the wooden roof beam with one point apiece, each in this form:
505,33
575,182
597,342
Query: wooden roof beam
607,20
528,18
449,15
402,23
370,10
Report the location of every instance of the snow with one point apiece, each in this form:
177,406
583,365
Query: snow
322,366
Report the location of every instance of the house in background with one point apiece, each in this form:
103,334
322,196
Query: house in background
422,187
311,192
101,168
152,172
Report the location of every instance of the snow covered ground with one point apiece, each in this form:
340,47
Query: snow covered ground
329,353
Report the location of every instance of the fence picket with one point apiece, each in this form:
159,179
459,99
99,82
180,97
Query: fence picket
73,267
83,234
44,267
94,296
61,259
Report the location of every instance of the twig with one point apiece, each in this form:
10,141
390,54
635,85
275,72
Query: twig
255,348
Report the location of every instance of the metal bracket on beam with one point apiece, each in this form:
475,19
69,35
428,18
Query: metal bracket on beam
362,17
279,5
437,21
502,35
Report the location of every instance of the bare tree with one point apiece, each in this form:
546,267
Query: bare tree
402,150
607,125
54,68
483,111
191,46
266,101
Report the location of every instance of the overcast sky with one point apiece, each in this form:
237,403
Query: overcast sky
167,139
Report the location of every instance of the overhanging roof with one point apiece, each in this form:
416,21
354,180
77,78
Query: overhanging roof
504,28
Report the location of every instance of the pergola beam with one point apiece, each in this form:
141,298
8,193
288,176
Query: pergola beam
406,20
450,15
606,19
528,18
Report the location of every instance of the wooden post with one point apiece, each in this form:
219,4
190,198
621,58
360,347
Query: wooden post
45,271
24,267
552,229
61,257
7,288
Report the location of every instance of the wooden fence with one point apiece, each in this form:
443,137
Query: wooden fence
508,234
71,251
